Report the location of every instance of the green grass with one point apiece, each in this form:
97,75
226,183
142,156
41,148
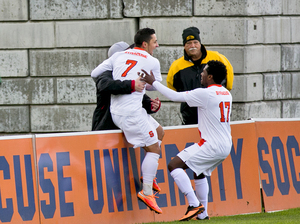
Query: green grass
286,216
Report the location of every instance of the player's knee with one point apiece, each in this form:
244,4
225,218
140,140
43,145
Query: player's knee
175,163
155,148
170,167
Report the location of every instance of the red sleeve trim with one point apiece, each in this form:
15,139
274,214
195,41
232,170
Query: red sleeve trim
132,85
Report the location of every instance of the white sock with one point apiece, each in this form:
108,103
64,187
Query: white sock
147,189
149,168
184,184
202,189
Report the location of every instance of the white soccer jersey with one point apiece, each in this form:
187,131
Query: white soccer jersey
214,108
125,66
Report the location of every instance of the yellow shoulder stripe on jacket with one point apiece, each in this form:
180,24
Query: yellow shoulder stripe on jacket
177,66
181,64
214,55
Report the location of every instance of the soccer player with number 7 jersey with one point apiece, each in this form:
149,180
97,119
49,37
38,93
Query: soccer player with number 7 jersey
139,128
214,104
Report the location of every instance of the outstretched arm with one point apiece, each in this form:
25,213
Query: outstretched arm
169,93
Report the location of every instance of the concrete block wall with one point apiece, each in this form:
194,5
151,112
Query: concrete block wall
48,49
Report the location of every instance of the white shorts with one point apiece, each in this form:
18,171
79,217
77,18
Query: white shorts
203,159
139,130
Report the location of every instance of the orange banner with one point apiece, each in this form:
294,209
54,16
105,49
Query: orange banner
18,193
279,158
92,177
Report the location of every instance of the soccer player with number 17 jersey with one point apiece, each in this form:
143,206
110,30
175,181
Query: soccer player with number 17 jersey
139,128
214,105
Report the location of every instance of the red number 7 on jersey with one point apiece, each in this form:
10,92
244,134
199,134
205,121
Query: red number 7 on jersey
223,106
131,64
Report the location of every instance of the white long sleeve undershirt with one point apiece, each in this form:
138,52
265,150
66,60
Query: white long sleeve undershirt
169,93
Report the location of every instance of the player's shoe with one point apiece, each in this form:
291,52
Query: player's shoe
191,212
155,186
206,218
150,201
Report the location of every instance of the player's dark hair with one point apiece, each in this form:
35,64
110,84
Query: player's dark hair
218,70
143,35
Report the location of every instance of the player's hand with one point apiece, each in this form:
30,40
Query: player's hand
139,85
147,78
155,104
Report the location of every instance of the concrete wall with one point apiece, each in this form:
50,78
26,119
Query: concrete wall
48,49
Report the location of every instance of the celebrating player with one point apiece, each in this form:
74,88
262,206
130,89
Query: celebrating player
139,128
214,108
